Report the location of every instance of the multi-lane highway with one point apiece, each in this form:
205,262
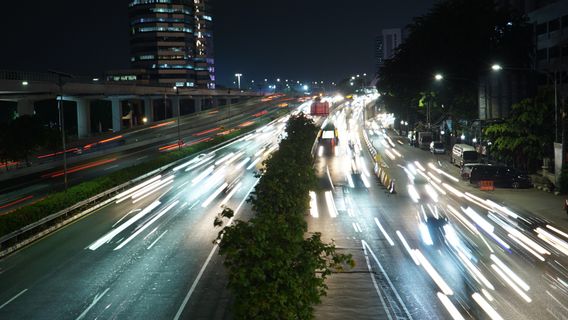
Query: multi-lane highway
129,148
437,249
149,254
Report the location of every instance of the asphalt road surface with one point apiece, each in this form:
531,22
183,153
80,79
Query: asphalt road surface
28,185
435,249
148,255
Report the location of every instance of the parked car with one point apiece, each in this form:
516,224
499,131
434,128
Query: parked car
437,147
463,154
502,176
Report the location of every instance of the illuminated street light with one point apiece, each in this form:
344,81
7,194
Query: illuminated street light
145,120
474,140
25,83
239,75
278,80
496,67
462,136
305,87
438,77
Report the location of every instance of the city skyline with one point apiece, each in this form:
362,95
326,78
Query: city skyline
92,41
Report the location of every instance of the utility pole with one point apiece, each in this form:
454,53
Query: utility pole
178,117
60,76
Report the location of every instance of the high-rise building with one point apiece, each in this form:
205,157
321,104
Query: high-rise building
172,40
386,44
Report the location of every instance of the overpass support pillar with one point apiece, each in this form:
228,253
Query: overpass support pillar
149,109
116,115
197,103
83,118
214,102
25,107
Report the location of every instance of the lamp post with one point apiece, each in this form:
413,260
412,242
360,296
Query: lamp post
497,67
60,76
178,117
239,75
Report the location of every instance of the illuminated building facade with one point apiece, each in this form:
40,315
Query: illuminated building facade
172,40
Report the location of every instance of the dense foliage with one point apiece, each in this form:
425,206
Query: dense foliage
526,136
22,136
459,39
274,271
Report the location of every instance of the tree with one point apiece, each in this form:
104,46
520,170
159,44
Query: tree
274,271
525,138
459,39
24,136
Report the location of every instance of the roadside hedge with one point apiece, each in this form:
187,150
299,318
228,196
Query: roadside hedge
276,270
58,201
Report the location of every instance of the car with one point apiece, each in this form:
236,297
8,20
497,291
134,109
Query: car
437,147
502,176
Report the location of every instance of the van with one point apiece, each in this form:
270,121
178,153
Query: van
502,176
462,154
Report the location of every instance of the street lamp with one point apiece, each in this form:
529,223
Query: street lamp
239,75
179,116
60,76
438,77
25,83
497,67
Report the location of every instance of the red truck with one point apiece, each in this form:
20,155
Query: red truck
319,108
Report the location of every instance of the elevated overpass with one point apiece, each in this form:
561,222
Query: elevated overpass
98,106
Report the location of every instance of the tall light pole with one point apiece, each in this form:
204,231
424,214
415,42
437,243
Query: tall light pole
239,75
178,117
60,76
497,67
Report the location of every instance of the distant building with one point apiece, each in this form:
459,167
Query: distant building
386,44
379,53
172,41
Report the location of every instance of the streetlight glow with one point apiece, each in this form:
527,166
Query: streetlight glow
25,83
496,67
438,77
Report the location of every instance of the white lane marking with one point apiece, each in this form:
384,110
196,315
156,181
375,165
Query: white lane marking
371,273
355,227
200,274
384,232
14,298
95,300
111,167
408,316
160,237
149,223
126,215
150,233
407,247
140,158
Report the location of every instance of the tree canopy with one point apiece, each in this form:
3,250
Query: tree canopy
459,39
525,137
274,271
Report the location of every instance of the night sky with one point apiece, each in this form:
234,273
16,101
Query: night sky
292,39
